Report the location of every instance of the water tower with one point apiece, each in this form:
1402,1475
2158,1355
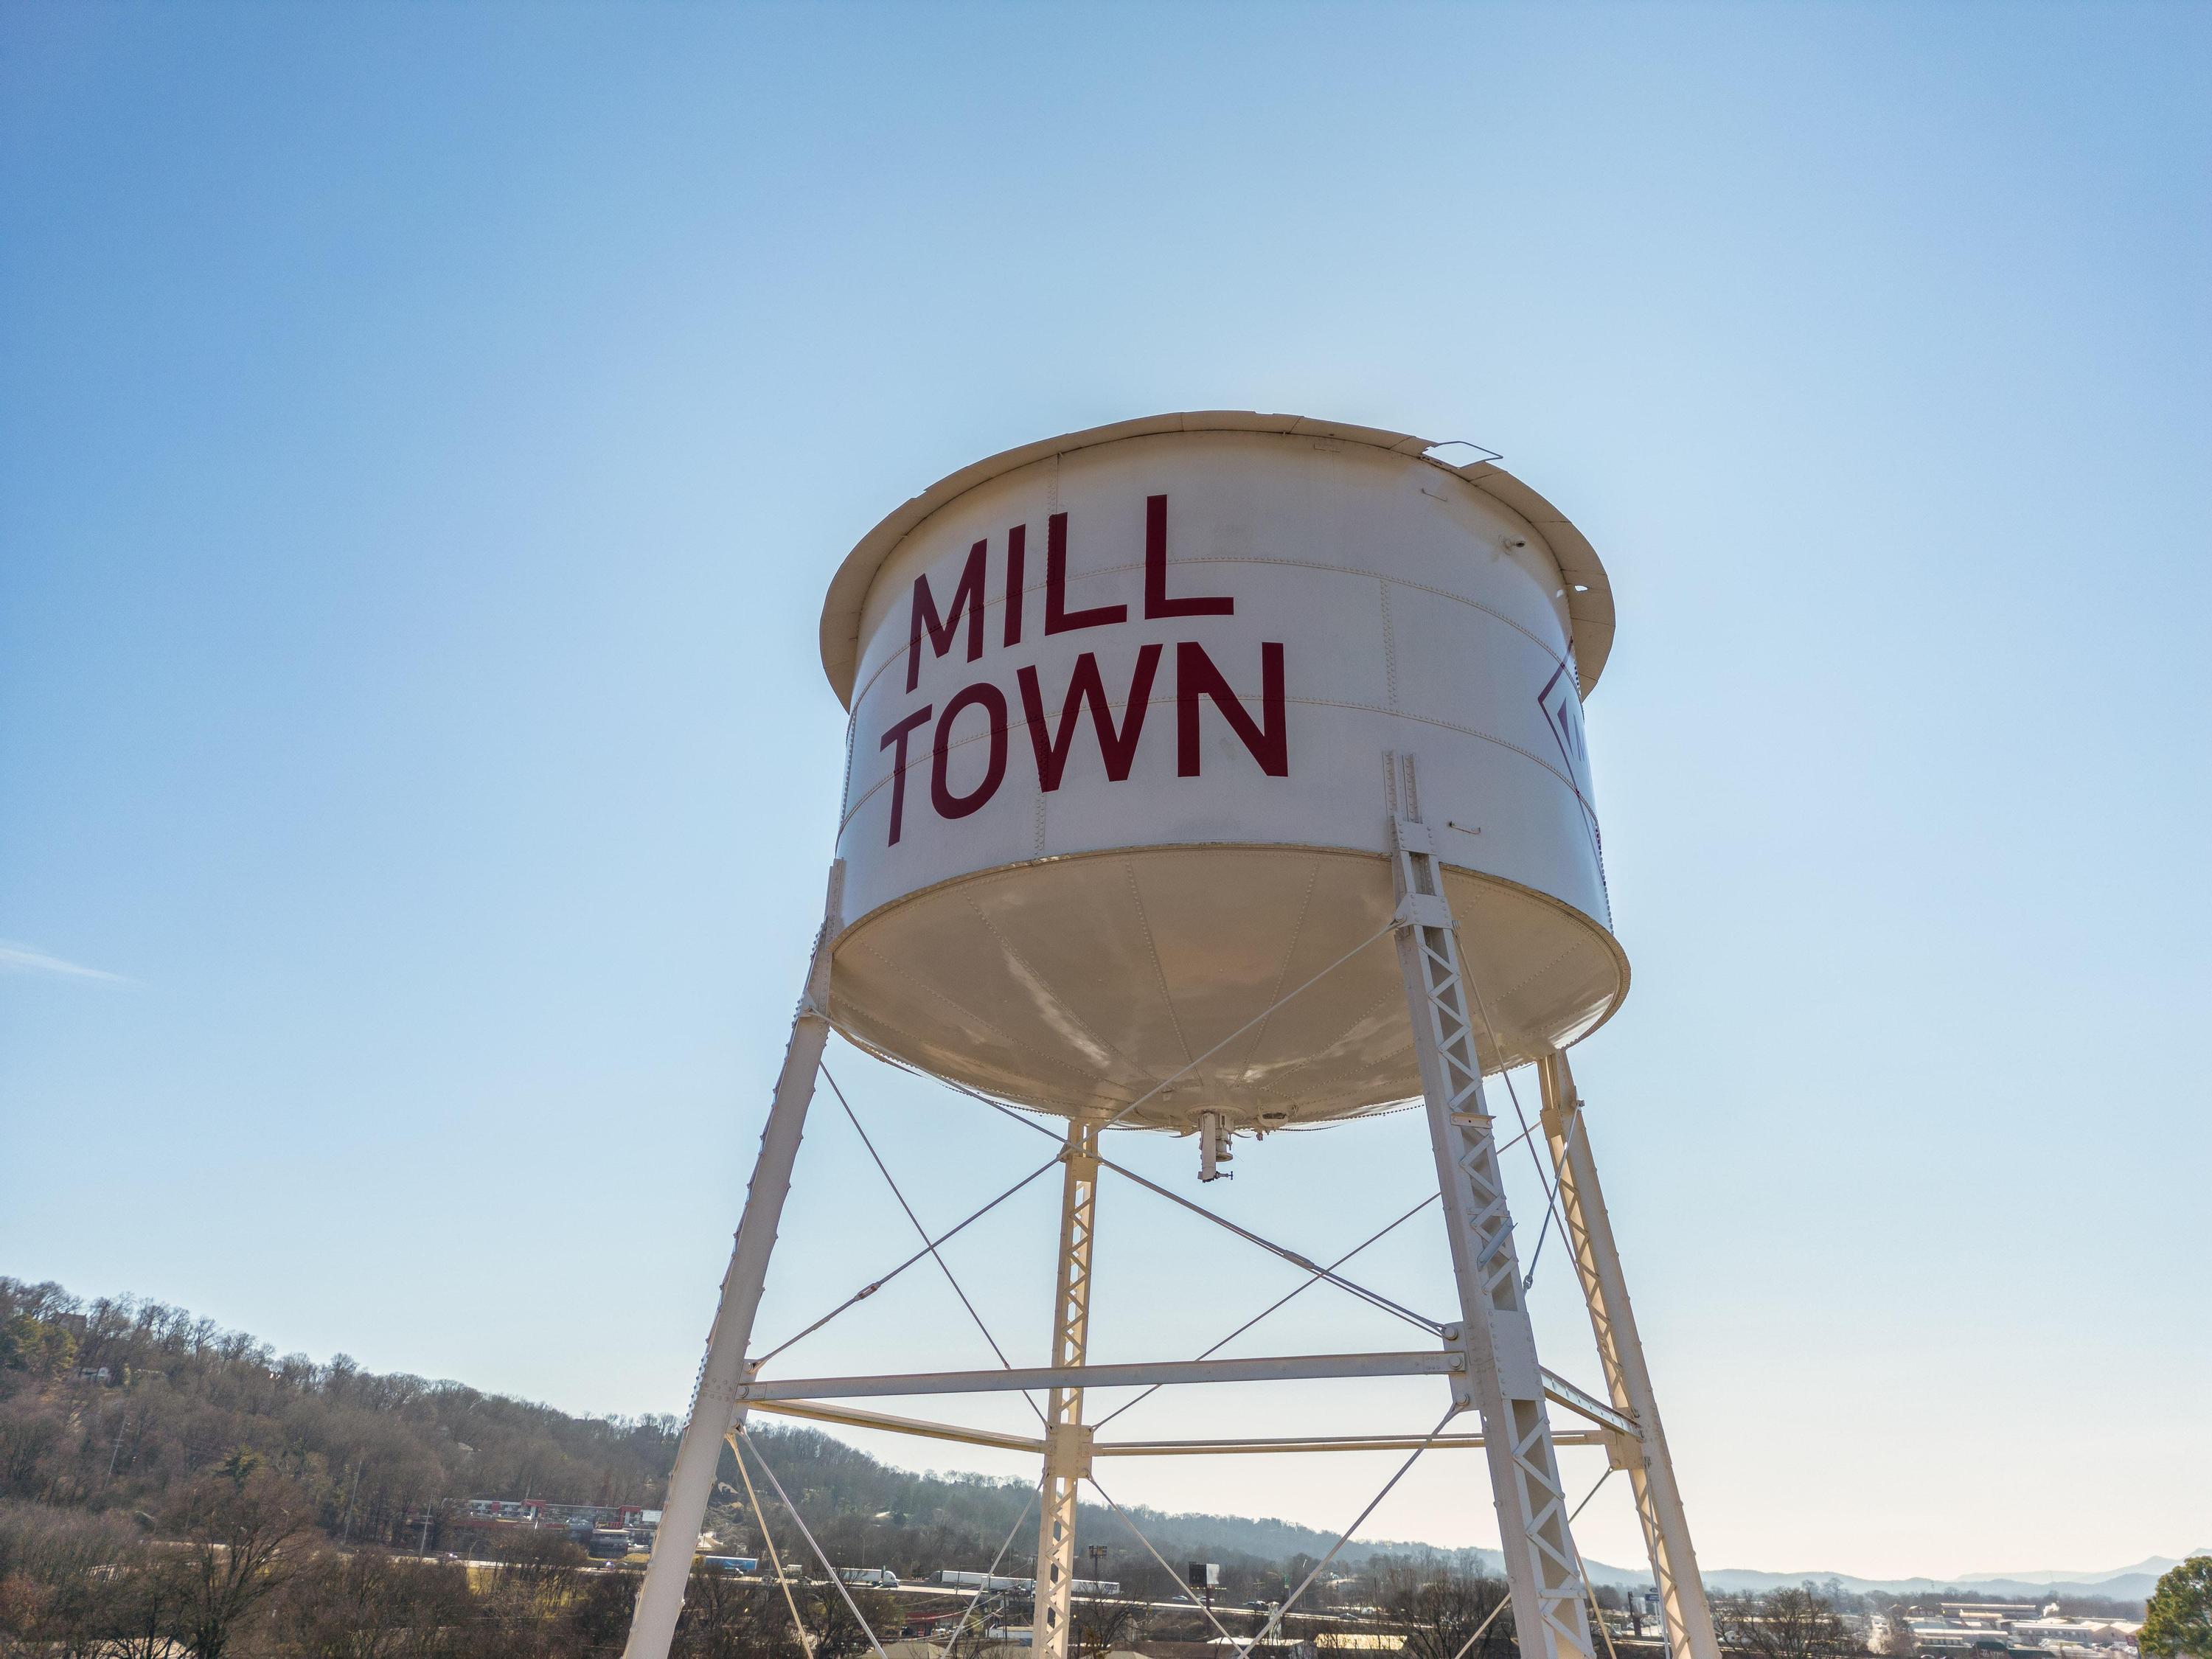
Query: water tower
1217,774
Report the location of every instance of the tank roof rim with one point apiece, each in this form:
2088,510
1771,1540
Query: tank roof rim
1589,611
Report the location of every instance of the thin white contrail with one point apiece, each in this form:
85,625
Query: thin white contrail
17,958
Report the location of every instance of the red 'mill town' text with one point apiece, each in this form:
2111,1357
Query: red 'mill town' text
1055,727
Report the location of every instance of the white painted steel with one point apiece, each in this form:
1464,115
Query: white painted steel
1644,1453
1501,1380
715,1405
1404,1442
852,1417
1561,1391
1074,910
1070,946
1067,1439
1141,1374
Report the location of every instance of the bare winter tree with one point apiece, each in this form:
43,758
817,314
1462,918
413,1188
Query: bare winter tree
1440,1609
246,1531
730,1618
1784,1624
832,1631
1100,1627
372,1605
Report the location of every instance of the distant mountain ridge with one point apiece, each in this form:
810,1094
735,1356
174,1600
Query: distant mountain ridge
2129,1583
2154,1565
1191,1533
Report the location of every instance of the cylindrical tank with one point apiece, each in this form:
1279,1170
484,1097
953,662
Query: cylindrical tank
1129,710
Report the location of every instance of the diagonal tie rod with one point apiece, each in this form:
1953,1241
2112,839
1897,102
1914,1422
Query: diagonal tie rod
1373,1298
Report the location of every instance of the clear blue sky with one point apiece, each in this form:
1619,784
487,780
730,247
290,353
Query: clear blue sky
426,433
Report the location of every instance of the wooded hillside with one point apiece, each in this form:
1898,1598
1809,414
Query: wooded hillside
169,1487
115,1404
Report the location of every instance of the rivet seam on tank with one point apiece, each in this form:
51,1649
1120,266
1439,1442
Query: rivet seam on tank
914,763
1102,709
1389,648
897,656
1589,813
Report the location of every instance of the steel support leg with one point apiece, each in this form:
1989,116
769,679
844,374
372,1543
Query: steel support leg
1067,1441
1651,1471
714,1408
1501,1380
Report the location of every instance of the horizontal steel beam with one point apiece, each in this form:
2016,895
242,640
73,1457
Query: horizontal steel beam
1288,1368
1394,1442
852,1417
1583,1403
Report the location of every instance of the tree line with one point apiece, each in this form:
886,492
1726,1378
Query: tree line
119,1407
173,1490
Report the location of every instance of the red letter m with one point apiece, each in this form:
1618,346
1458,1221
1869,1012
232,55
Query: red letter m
967,596
1196,677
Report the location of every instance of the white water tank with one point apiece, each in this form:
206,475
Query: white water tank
1118,769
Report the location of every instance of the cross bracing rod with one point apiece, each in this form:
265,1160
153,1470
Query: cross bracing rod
1275,1619
1326,1275
1276,1369
1283,1300
943,1265
852,1417
929,1247
768,1538
829,1571
1176,1578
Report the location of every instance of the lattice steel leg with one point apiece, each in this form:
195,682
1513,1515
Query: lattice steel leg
1612,1322
1501,1380
1068,1442
715,1410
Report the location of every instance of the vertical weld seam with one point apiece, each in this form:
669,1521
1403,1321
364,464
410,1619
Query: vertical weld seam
1152,950
1059,1001
1283,968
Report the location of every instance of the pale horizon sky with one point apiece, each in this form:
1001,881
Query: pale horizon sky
425,434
